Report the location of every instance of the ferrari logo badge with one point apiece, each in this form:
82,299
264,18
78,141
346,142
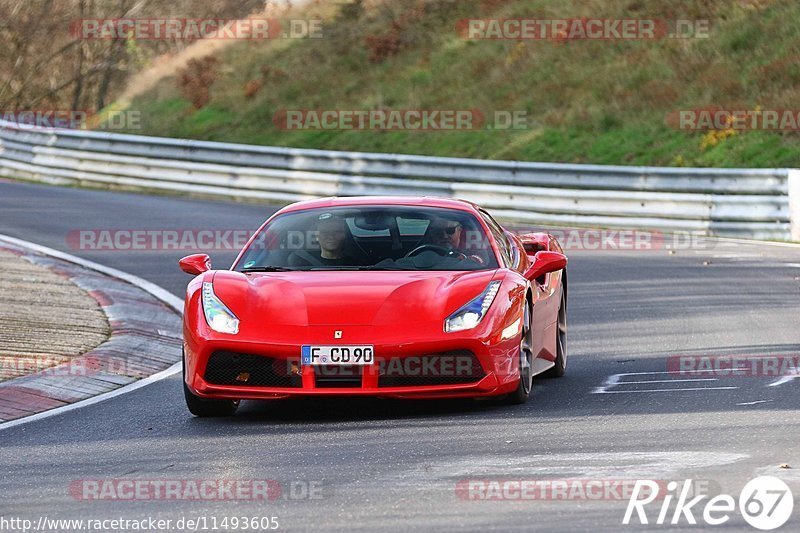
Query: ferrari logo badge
337,334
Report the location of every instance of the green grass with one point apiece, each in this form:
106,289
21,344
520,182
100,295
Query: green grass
587,101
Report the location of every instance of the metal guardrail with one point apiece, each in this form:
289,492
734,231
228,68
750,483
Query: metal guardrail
758,203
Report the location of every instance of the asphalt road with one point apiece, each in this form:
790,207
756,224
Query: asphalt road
386,465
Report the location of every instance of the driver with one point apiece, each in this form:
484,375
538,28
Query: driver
446,233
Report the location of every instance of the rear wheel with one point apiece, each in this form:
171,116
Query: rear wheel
207,408
525,384
560,367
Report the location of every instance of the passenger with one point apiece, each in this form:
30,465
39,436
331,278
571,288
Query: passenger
332,236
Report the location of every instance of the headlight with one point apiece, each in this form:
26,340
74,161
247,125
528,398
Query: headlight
471,314
218,316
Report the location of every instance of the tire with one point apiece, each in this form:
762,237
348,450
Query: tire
560,367
525,385
207,408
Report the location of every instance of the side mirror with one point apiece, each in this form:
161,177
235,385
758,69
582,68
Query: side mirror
545,262
534,242
195,264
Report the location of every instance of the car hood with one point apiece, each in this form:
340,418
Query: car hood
348,297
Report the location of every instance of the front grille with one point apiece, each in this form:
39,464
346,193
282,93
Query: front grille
337,376
447,368
232,368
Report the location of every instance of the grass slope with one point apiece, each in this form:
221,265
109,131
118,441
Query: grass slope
587,101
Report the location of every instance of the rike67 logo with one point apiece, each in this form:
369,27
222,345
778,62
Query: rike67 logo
765,503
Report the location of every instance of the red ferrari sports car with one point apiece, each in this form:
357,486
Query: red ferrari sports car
401,297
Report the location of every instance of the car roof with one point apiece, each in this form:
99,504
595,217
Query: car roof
351,201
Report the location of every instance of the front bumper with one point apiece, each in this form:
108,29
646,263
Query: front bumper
237,369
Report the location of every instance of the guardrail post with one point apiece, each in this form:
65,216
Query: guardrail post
794,203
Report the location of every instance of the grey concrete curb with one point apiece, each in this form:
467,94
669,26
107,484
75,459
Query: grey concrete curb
145,340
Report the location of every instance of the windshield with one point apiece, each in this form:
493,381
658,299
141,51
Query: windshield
371,238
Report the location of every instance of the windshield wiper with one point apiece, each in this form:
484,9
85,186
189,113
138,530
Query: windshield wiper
354,268
314,268
267,269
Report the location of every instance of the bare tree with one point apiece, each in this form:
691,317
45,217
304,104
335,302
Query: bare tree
45,64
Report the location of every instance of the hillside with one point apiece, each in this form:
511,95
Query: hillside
587,101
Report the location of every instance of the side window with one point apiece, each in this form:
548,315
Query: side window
500,237
515,258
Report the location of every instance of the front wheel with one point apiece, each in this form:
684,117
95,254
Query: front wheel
525,384
207,408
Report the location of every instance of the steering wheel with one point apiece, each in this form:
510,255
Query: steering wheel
441,250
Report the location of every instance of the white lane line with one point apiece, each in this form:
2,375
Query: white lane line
783,379
161,294
642,373
663,390
674,373
665,381
615,380
755,402
607,384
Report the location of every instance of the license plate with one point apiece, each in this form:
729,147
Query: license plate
337,355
